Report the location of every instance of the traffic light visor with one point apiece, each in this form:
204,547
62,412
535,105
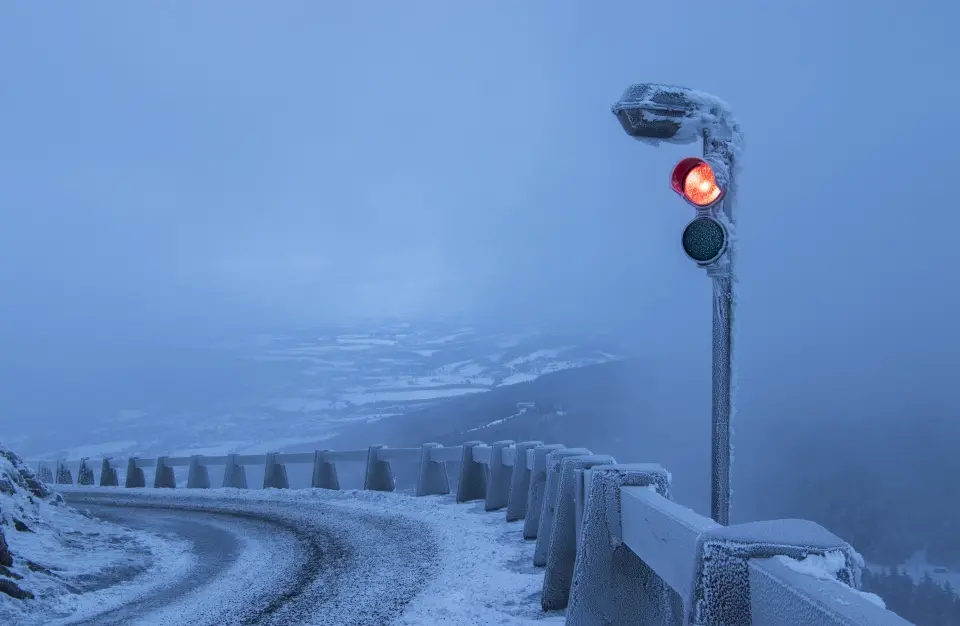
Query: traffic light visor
693,179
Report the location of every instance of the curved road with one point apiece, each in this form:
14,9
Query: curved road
276,563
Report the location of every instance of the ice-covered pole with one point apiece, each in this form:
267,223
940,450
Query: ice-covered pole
654,113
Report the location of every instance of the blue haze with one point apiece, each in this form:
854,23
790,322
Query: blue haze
171,173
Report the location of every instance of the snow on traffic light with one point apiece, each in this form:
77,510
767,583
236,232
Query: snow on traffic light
694,180
705,238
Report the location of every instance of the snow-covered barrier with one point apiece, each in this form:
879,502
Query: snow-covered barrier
644,559
615,548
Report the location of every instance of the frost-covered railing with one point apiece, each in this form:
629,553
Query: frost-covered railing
616,549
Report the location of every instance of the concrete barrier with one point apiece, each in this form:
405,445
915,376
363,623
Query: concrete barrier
562,547
538,486
548,507
44,473
275,473
720,593
607,574
520,481
498,477
64,475
85,474
234,474
379,474
197,475
164,478
135,477
108,474
473,475
324,472
432,478
782,596
617,550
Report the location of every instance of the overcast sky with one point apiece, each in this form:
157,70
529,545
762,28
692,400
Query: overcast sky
173,167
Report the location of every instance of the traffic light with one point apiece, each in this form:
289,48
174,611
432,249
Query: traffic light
705,238
694,180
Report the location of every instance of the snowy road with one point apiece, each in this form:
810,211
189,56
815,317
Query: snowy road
272,562
301,556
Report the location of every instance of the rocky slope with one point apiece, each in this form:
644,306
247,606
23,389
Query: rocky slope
57,562
21,496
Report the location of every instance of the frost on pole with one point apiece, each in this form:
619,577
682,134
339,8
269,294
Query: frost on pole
655,113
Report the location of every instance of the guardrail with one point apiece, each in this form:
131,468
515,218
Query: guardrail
614,546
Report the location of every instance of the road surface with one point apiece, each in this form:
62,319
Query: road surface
273,563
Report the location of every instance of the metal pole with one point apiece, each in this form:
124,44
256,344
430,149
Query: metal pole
722,399
723,274
654,112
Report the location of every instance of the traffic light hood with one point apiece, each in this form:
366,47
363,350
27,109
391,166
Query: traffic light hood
653,113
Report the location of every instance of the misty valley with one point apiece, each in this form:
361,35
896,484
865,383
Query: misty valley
531,313
402,383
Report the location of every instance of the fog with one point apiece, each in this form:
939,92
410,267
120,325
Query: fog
174,173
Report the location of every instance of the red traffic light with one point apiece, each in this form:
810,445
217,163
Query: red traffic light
693,179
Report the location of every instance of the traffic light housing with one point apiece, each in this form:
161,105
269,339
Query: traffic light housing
695,181
705,238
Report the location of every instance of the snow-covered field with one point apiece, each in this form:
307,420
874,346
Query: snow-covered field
407,364
297,389
484,573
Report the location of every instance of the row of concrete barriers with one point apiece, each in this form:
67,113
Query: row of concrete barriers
615,547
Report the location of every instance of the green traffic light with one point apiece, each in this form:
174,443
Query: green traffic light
704,239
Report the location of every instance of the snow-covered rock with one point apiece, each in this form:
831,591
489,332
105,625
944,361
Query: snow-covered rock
56,561
21,496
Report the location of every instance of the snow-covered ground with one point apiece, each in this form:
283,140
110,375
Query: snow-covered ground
484,573
64,558
410,365
481,567
305,387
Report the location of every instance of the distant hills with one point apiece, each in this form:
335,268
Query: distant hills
291,390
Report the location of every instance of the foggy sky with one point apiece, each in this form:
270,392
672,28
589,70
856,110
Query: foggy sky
171,168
